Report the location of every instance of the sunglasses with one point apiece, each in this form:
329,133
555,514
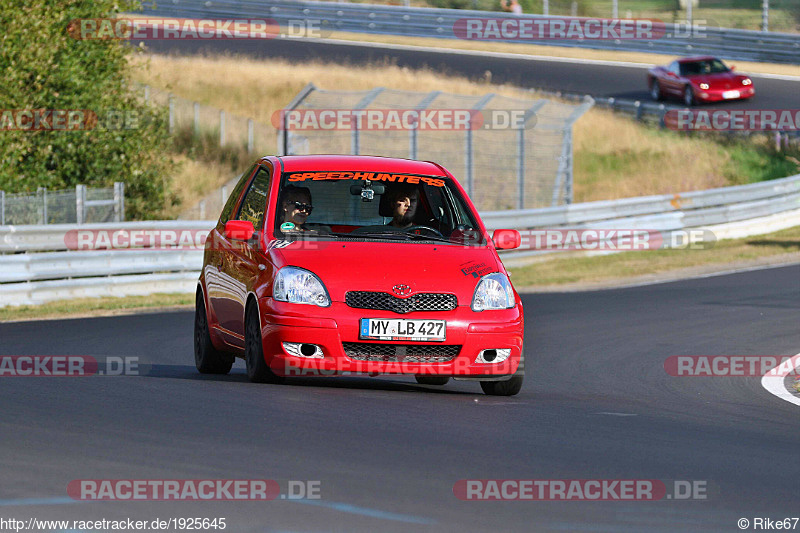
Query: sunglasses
300,206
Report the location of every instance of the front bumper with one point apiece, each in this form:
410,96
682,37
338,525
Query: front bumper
717,95
329,328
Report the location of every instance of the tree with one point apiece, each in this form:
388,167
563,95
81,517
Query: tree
45,68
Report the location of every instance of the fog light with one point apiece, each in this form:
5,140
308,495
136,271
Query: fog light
493,355
298,349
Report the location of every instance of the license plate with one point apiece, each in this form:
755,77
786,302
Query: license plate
396,329
731,94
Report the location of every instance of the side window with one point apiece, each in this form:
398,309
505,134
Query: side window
237,191
254,204
675,68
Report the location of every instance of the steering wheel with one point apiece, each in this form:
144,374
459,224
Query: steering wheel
425,228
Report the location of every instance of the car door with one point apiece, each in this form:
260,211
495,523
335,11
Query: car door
672,81
245,256
217,258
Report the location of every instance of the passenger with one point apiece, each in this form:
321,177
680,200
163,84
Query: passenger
403,201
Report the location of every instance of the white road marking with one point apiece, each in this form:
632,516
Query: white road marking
774,384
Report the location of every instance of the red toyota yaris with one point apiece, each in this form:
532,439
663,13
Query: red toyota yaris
323,265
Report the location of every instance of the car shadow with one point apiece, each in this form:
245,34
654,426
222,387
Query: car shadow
337,382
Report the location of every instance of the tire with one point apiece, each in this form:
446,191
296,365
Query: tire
655,91
432,380
207,359
502,388
688,96
509,387
258,371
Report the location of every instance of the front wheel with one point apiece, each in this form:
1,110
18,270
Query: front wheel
502,388
688,96
258,371
655,91
207,359
509,387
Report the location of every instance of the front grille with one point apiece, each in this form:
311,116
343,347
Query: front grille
408,353
383,301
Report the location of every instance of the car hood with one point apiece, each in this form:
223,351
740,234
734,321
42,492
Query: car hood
723,80
361,266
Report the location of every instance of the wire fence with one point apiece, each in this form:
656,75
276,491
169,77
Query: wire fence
518,155
78,206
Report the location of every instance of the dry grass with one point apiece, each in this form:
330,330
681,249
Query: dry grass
614,156
194,180
617,158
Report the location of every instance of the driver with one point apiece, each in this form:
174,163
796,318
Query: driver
296,207
404,202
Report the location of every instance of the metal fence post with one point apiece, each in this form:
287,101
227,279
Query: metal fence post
283,133
171,100
221,128
118,201
546,8
80,204
250,136
44,204
469,158
765,16
146,94
413,132
530,112
196,108
355,142
2,208
615,9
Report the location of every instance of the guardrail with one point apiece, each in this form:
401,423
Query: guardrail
433,22
40,276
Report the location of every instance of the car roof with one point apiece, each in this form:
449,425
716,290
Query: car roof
695,58
363,163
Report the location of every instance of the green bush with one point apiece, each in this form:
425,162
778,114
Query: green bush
43,67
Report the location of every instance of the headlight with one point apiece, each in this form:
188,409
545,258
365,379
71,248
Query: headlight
493,292
704,86
299,286
747,81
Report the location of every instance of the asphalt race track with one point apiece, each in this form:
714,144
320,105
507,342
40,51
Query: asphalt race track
583,78
597,404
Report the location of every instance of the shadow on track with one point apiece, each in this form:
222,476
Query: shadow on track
341,382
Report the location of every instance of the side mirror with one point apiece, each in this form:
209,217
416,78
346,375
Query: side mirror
672,74
240,230
733,67
506,239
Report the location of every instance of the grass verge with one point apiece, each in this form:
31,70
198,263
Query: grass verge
95,307
571,269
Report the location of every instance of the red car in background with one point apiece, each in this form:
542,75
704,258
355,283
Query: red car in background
321,265
698,79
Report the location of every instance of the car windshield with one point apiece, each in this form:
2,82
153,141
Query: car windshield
708,66
373,206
